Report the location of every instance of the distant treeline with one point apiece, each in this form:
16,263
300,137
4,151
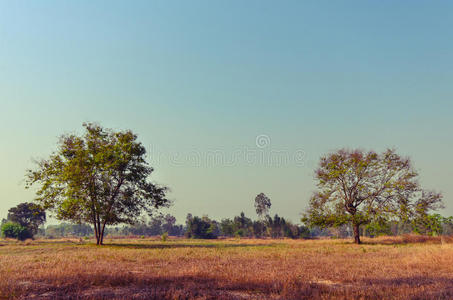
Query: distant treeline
242,226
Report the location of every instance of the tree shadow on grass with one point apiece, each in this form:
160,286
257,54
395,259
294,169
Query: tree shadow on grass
129,285
400,240
135,286
132,285
412,281
411,287
407,239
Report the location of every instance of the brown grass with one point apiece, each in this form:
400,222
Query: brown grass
405,267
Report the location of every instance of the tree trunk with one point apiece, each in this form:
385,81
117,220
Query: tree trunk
96,231
356,233
99,239
102,234
98,236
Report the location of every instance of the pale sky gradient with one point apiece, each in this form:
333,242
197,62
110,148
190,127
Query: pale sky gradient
193,78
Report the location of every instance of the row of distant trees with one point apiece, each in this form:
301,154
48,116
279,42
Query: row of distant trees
101,178
242,226
25,216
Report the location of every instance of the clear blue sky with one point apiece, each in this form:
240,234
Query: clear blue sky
193,78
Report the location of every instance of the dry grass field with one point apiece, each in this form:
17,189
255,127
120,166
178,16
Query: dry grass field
382,268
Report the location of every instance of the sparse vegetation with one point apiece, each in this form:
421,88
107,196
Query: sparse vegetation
415,267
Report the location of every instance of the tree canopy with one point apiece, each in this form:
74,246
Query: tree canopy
100,178
201,228
28,215
358,187
262,205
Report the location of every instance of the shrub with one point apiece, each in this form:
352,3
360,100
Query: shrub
16,231
164,237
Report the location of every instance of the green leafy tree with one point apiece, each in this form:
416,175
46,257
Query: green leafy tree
356,187
429,224
15,231
422,221
227,227
243,226
201,228
99,178
28,215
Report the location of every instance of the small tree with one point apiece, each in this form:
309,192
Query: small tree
262,205
422,221
99,178
28,215
169,223
357,187
243,226
430,224
227,227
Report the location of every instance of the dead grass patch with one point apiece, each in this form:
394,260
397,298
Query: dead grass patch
386,267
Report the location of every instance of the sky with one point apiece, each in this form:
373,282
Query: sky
231,98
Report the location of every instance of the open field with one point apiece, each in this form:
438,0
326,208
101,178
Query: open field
401,268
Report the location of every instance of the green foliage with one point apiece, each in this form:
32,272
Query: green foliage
164,237
243,226
429,224
277,227
227,227
15,231
157,225
99,178
29,216
377,228
201,228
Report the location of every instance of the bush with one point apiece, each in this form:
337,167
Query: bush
16,231
164,237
